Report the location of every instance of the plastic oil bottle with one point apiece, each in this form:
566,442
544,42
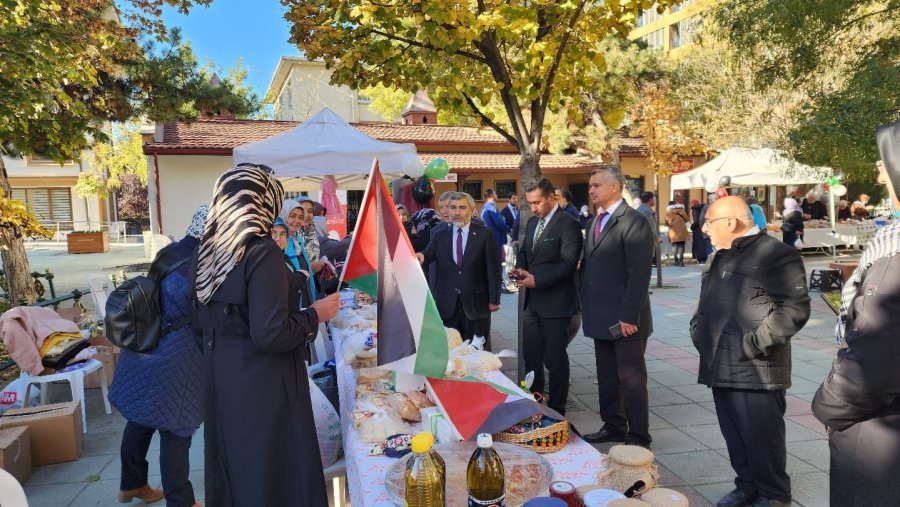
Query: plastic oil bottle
485,478
425,474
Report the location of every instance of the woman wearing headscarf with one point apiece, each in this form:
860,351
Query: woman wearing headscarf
791,221
282,237
162,389
859,402
260,438
293,215
422,223
308,232
405,218
584,216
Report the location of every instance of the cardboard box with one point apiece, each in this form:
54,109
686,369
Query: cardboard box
108,356
56,431
15,452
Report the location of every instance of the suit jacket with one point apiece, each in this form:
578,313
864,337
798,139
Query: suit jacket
477,283
553,261
513,223
615,275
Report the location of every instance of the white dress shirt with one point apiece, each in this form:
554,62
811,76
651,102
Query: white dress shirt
465,240
609,212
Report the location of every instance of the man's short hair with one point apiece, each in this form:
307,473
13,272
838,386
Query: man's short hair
751,200
647,196
543,184
612,173
446,196
462,196
513,194
566,195
489,193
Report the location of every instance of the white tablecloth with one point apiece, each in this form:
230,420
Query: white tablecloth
578,462
846,235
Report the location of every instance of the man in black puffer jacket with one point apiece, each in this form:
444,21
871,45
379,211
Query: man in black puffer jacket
753,299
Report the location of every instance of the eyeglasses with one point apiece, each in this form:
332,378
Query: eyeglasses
707,223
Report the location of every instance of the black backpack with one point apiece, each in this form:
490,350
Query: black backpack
133,312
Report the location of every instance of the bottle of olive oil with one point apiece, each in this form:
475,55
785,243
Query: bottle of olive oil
485,478
425,474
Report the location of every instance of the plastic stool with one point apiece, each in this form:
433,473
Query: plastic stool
75,378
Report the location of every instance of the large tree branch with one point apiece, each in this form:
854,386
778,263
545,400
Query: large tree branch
490,123
488,47
411,42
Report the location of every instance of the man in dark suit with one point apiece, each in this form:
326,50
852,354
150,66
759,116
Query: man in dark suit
467,271
615,304
545,268
512,217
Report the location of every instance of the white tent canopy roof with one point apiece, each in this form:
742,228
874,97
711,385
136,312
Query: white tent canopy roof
749,167
326,145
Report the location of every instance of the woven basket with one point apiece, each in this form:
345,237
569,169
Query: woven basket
627,465
541,440
662,497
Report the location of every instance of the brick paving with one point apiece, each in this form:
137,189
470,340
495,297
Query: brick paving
687,442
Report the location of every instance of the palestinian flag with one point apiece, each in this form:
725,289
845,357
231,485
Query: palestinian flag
382,263
475,406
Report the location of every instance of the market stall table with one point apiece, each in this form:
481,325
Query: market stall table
578,462
847,235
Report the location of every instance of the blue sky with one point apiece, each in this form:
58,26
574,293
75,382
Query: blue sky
230,29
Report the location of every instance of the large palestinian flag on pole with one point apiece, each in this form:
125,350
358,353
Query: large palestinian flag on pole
382,263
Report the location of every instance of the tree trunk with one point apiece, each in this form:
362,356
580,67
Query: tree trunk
20,287
529,169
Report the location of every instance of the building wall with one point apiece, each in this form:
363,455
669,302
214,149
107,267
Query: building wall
27,172
306,90
186,182
674,28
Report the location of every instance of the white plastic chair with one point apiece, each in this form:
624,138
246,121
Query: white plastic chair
101,287
11,492
337,474
75,378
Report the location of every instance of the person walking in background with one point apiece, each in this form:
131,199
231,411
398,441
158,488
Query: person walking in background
698,242
545,269
564,200
585,217
162,389
254,340
759,216
677,220
648,202
512,218
615,306
467,271
753,299
791,222
494,221
857,402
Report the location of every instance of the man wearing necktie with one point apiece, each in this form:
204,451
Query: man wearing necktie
615,305
545,269
466,285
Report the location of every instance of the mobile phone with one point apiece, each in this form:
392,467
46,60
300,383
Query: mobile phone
616,331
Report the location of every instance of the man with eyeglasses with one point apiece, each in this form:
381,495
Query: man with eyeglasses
753,299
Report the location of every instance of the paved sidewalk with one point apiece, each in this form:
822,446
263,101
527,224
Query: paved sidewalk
686,439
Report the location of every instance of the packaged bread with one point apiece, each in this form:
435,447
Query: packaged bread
405,408
366,359
420,399
454,338
370,375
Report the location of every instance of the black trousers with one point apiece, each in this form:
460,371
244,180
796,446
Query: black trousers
752,423
678,251
468,327
544,343
622,379
174,464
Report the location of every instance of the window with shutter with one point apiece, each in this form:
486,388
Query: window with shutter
61,204
39,202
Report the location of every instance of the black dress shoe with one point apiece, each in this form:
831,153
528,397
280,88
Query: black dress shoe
769,502
736,498
630,440
605,435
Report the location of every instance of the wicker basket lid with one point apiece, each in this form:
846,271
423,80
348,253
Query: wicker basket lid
627,502
663,497
630,455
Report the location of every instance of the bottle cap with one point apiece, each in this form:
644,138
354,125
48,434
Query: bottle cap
485,440
423,442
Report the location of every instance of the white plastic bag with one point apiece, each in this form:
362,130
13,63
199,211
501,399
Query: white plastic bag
328,425
13,395
798,244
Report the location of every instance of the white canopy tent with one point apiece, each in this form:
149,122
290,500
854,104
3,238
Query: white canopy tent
748,167
326,145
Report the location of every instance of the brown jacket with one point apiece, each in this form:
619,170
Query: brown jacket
677,219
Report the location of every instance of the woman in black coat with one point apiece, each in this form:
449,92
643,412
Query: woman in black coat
260,439
791,221
859,402
698,243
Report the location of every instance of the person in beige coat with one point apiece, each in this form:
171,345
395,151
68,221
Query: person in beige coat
677,219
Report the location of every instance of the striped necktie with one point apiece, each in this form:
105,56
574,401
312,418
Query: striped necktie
540,230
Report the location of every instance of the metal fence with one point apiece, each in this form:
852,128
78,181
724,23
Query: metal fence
118,231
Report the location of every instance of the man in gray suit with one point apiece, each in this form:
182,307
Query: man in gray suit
615,305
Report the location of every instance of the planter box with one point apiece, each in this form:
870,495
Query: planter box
88,242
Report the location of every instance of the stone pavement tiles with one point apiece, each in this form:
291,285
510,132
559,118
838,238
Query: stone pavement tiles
687,442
